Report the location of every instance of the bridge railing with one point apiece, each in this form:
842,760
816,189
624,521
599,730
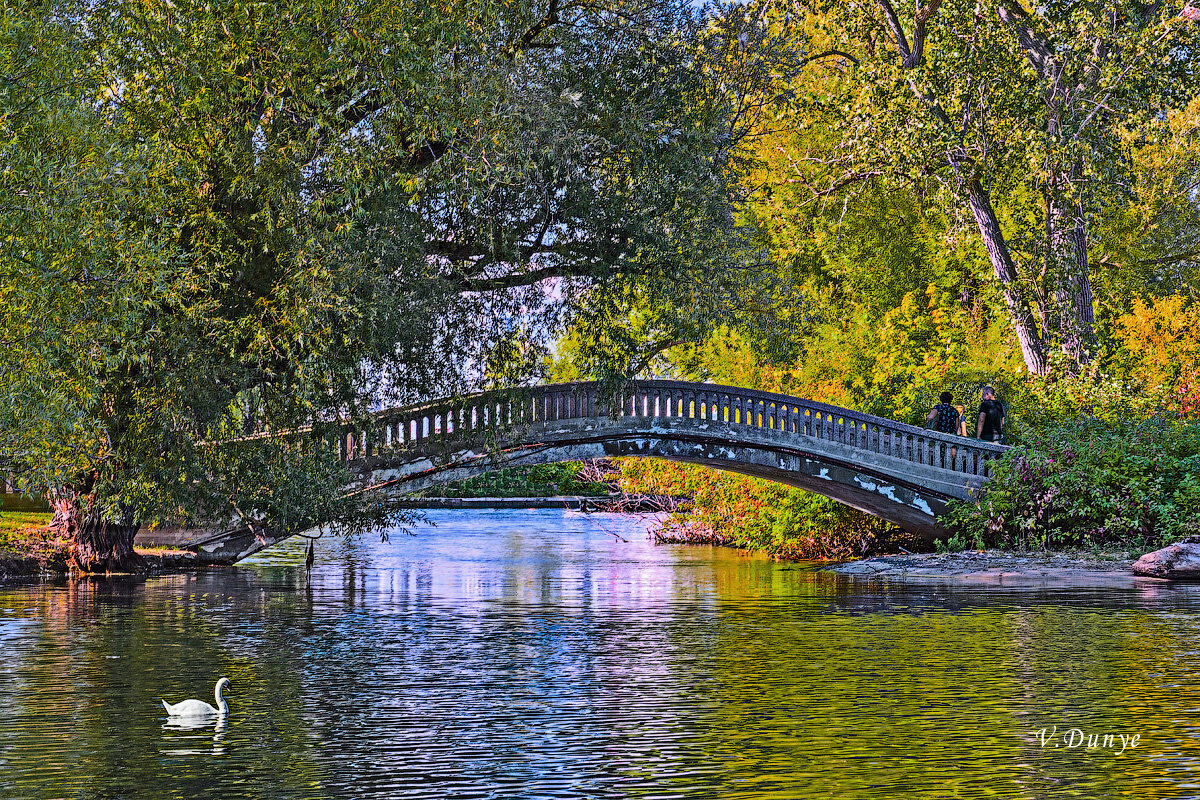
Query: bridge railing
494,415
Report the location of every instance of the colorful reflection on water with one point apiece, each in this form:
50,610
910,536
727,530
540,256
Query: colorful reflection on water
523,654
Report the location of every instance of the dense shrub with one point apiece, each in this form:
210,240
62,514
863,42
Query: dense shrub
736,510
1092,482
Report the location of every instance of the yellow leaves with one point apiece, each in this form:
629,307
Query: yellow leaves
1163,338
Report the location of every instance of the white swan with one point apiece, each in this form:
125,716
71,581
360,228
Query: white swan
199,708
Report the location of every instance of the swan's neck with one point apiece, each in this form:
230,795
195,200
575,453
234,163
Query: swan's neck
222,706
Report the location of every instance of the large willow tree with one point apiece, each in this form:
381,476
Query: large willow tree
228,217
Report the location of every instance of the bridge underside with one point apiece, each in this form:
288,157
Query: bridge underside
900,491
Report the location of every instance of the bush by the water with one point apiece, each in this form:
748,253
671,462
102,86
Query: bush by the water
735,510
1092,482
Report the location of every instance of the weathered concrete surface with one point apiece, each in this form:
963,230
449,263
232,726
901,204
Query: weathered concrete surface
1179,561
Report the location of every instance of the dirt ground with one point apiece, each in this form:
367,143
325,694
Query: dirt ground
1002,568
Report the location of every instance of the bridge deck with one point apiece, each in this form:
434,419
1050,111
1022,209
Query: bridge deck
505,413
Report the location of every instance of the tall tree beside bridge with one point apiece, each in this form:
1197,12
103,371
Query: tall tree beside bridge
1024,116
233,217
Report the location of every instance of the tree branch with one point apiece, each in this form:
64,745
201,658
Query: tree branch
548,19
1038,49
829,54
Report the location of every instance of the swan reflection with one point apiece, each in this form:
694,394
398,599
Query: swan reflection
218,725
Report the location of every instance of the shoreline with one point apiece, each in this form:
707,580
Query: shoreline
1003,568
45,559
50,567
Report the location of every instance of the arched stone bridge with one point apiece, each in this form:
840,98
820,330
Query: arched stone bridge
896,471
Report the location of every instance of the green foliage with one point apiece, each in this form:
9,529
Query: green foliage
732,509
239,217
541,480
1092,482
957,116
953,544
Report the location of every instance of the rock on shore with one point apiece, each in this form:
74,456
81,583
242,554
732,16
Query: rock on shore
1179,561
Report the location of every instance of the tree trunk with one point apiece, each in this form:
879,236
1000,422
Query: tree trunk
1032,346
97,545
1067,258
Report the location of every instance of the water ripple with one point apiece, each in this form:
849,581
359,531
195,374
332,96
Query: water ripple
534,655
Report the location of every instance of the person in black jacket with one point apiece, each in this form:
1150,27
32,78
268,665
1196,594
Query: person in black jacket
990,426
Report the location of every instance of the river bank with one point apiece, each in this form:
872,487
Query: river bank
1075,568
33,552
30,551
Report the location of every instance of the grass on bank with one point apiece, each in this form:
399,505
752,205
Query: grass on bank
27,544
18,529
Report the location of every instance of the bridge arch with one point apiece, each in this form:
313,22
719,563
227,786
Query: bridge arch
898,472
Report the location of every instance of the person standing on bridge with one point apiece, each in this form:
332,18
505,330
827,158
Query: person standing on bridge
944,416
990,426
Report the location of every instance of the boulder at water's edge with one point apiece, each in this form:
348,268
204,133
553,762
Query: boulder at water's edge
1179,561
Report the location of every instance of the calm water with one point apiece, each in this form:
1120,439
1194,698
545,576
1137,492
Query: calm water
553,655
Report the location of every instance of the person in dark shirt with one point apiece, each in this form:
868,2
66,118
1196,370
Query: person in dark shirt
944,416
990,426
